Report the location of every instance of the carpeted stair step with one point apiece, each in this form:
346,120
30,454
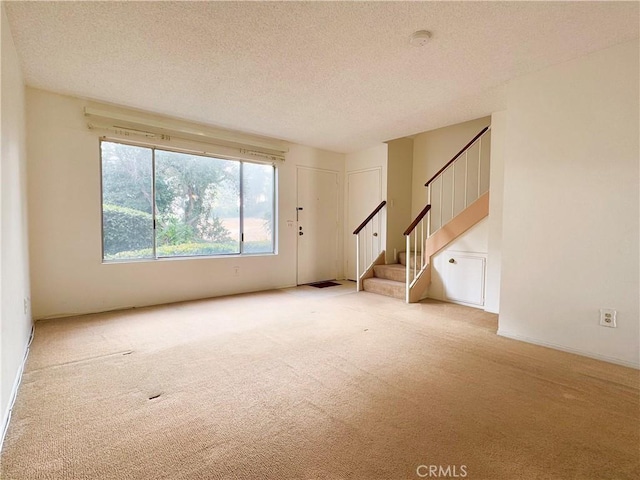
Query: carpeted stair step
402,258
393,271
382,286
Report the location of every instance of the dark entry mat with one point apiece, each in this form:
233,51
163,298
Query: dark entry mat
324,284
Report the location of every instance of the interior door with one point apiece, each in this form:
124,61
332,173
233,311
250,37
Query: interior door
317,195
363,195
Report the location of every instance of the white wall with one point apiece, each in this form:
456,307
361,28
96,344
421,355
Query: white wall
374,157
571,206
15,323
496,194
67,274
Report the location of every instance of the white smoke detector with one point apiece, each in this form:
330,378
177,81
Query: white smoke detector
419,38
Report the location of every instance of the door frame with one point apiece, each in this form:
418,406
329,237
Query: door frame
338,223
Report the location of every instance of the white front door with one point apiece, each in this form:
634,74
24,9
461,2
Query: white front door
317,225
363,195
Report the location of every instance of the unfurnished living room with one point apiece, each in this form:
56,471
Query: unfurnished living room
320,240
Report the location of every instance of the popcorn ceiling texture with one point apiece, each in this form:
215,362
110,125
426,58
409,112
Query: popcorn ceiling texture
339,76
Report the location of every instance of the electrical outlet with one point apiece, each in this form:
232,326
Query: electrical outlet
608,317
236,271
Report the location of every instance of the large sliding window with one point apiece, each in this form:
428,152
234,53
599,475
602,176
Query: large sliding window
158,203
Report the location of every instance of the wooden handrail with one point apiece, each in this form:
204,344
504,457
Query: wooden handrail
371,215
457,155
417,220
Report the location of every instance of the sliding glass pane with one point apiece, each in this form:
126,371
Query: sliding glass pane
257,193
127,221
197,205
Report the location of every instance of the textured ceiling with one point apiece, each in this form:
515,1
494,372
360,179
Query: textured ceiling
339,76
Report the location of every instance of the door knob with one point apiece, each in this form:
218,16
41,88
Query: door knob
375,234
451,260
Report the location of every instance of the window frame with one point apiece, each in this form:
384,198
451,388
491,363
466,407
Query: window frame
200,153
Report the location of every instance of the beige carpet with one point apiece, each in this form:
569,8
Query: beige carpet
313,384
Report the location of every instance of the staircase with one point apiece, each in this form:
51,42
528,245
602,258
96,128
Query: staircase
390,279
429,232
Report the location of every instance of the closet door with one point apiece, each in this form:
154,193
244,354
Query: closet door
464,278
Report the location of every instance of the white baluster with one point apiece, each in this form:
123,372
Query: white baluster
358,262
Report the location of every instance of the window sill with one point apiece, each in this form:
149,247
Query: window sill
191,257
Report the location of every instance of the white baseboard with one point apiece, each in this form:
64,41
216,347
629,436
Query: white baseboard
6,416
604,358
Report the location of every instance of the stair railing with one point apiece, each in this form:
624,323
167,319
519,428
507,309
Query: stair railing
414,268
459,183
368,241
